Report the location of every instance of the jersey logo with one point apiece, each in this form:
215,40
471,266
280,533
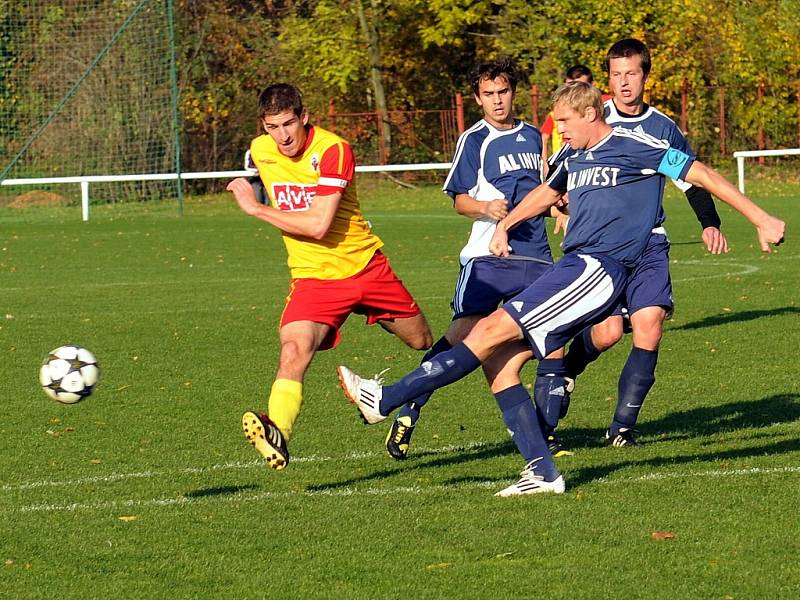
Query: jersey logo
589,156
521,138
315,162
522,160
292,197
640,129
517,305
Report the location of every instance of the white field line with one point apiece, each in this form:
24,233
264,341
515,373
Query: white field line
242,496
114,477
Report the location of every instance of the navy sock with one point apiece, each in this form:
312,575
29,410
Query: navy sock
412,408
637,377
581,353
550,391
519,415
441,370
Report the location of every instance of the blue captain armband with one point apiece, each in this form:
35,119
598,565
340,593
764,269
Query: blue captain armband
674,163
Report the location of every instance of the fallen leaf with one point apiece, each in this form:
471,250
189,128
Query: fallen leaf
662,535
128,518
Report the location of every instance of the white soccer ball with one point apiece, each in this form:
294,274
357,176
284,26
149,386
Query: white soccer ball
69,374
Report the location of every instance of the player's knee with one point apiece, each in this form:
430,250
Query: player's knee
421,340
295,355
647,333
606,336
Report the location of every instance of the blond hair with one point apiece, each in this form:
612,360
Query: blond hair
579,95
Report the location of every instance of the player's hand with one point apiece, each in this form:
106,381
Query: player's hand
244,194
562,219
499,242
715,240
495,209
770,231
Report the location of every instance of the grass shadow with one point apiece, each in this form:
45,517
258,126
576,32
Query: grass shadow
734,317
225,490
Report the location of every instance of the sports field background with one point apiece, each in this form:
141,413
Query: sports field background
148,489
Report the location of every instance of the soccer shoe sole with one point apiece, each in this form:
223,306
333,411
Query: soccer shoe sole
254,431
370,418
397,448
523,488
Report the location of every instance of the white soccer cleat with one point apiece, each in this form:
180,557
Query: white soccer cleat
364,393
531,483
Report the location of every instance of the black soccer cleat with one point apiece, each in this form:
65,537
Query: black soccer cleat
557,448
262,433
398,439
624,438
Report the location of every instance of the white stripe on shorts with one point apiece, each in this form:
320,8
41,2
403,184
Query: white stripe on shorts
461,285
586,294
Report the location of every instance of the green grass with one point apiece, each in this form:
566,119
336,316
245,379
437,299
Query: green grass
182,315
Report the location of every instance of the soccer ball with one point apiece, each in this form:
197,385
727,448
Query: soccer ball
69,374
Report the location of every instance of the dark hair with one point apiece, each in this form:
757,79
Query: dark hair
576,71
627,48
278,98
502,67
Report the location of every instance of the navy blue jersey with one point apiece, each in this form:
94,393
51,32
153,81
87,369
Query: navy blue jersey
655,123
490,164
615,192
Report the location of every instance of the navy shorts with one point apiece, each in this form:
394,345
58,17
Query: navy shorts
578,291
649,283
485,282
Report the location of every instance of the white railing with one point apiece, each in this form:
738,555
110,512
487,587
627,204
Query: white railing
85,180
742,154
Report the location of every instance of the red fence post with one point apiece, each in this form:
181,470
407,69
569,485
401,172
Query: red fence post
459,113
797,98
331,116
535,105
722,147
685,106
761,141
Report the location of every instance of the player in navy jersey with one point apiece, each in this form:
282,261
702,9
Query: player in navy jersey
496,163
647,302
615,180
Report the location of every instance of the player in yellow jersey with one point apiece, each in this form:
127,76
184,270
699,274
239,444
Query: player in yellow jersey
336,265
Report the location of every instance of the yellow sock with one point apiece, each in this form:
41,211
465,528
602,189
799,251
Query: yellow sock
284,404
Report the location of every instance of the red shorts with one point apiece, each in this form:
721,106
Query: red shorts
375,292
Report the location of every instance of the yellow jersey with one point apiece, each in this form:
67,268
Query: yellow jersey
325,166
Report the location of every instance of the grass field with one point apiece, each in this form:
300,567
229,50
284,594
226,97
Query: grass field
148,489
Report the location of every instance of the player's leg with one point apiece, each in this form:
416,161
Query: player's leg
502,371
638,374
649,301
375,401
591,343
270,432
551,393
314,311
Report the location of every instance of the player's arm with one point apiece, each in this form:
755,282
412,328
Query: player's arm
536,202
476,209
313,223
770,229
703,206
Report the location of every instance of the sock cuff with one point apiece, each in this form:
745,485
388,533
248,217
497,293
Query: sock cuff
465,357
287,386
551,366
510,397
